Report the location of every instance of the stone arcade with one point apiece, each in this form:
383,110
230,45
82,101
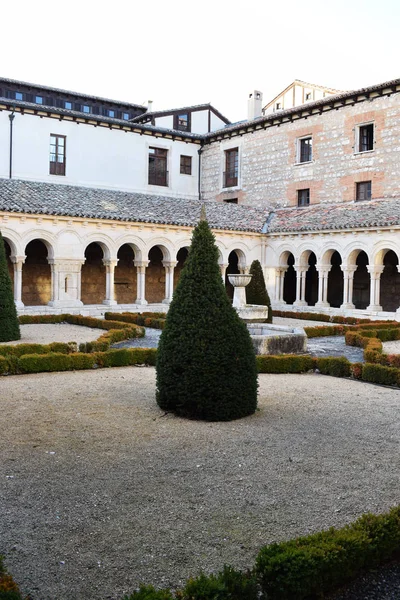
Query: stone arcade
98,198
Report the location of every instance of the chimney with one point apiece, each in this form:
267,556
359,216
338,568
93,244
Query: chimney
149,105
254,106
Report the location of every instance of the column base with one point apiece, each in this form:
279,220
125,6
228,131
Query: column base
300,303
110,302
141,302
19,305
374,307
347,306
65,303
322,305
166,301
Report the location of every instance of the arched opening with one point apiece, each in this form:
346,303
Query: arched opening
335,281
361,282
181,258
390,283
36,275
10,265
311,291
93,277
155,276
125,276
231,269
289,283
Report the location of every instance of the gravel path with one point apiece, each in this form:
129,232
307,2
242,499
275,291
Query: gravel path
46,333
99,490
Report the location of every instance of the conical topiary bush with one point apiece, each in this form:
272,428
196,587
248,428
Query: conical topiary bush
256,291
206,367
9,324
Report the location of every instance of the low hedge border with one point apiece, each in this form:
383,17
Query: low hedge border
305,567
311,316
146,319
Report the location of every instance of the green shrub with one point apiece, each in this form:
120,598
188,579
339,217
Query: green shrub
148,592
380,374
123,357
39,363
79,361
256,291
289,363
4,368
206,366
229,584
356,370
324,331
336,366
9,324
311,565
154,320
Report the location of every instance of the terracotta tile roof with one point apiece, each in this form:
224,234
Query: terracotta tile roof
349,215
33,197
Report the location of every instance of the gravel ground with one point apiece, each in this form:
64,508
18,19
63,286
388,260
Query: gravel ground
100,490
56,332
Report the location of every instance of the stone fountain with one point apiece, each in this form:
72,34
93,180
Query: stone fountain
266,338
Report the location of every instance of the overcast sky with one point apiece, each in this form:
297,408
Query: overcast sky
179,53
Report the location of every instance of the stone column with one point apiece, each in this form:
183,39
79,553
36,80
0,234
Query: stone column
169,280
65,283
18,262
300,286
279,282
141,266
348,276
375,272
110,295
323,272
223,267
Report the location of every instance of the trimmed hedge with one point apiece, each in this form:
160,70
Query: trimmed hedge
324,331
319,563
337,366
285,363
148,319
311,316
380,374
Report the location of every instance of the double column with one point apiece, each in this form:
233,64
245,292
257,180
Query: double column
348,278
301,272
279,283
323,274
65,282
18,262
375,272
169,279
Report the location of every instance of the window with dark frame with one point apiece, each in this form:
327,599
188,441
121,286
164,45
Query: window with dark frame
231,167
363,191
366,138
186,165
158,174
303,197
182,122
57,154
231,200
305,150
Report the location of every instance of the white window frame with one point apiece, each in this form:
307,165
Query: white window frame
357,138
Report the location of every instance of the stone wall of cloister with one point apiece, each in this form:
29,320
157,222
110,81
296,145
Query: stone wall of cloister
85,266
345,272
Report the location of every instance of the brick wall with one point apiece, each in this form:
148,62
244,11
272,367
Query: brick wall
269,175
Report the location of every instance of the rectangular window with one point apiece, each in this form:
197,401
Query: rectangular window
231,167
85,108
68,105
365,140
231,200
182,122
111,113
19,96
186,165
158,174
278,106
363,191
57,154
304,153
303,197
125,116
39,99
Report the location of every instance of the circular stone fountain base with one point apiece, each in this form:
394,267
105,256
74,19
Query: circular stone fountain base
277,339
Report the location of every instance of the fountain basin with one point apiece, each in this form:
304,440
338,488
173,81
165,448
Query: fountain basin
252,313
277,339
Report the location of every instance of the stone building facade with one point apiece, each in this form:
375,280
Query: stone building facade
313,192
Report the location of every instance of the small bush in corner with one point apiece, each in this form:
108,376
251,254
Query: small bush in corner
380,374
256,291
229,584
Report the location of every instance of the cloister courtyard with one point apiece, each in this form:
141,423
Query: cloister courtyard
100,490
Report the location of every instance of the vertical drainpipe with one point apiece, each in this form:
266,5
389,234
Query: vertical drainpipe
11,117
200,150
